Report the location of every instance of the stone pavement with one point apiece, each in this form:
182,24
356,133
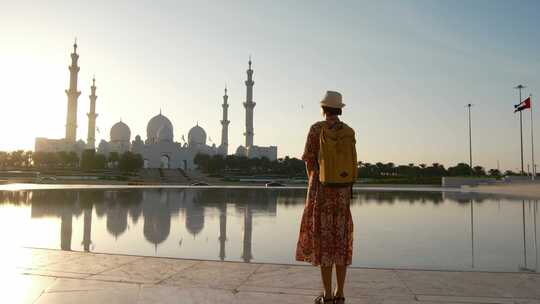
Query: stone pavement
51,276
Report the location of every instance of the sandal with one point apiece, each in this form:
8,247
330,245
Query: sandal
339,300
321,300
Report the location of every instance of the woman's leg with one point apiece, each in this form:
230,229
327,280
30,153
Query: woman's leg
341,272
326,276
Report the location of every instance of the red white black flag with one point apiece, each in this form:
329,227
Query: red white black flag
526,104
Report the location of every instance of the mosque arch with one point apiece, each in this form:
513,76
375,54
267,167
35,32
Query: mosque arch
165,162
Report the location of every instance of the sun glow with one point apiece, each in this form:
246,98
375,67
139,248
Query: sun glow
17,229
34,102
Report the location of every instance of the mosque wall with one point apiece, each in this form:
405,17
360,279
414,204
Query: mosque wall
168,155
58,145
259,152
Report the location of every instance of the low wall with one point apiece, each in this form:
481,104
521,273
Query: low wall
530,190
520,179
467,181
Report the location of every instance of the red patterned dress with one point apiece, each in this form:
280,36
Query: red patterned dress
326,229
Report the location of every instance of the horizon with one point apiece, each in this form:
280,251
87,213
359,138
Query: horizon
415,74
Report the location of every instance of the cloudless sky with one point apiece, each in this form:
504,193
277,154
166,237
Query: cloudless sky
406,70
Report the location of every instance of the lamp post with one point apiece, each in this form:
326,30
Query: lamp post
532,143
472,233
519,87
524,236
535,211
470,137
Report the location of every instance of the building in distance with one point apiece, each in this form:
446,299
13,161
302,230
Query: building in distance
159,149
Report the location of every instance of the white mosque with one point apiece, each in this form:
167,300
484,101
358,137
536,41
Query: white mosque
159,150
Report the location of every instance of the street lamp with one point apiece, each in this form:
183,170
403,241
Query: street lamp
470,136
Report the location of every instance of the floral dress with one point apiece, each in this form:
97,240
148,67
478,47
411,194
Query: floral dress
326,229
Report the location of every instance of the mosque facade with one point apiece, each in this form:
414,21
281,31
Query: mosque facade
159,149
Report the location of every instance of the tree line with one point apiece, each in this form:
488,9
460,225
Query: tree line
241,165
294,167
89,160
231,164
379,170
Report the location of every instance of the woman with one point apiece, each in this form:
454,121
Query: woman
326,229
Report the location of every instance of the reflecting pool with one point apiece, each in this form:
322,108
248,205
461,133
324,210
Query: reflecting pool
393,229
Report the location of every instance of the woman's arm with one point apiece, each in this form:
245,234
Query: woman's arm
311,151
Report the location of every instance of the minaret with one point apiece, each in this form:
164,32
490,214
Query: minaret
66,228
222,230
87,229
247,255
73,95
249,105
92,115
224,147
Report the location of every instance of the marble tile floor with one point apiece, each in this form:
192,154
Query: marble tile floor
52,276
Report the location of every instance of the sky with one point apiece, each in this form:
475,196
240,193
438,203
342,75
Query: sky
406,70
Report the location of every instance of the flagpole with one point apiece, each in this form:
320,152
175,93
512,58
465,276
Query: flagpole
519,87
532,140
470,138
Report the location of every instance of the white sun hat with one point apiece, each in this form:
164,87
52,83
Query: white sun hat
332,99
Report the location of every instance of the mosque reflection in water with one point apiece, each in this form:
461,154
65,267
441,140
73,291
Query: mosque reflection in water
162,216
156,207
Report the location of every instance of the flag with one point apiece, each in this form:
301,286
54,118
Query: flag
526,104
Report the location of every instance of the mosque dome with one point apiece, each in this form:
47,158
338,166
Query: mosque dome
120,132
157,220
165,134
241,151
116,220
197,135
155,124
195,222
103,145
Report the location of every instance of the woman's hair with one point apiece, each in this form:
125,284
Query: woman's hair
331,111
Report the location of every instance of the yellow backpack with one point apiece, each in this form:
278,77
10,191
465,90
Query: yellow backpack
337,155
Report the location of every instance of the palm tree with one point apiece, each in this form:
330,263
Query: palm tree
494,172
390,168
380,167
28,158
479,171
3,159
63,158
114,157
17,158
73,159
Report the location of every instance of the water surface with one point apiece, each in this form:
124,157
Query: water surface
394,229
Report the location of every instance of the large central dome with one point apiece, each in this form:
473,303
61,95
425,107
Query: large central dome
154,125
165,134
